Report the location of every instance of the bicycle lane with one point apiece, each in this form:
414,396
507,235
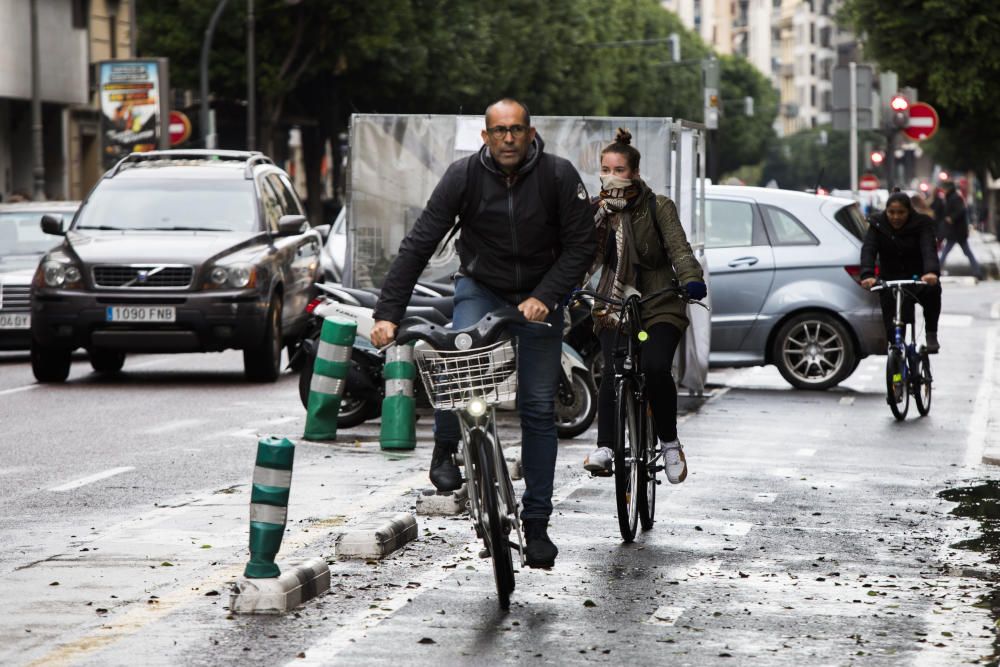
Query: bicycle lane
809,532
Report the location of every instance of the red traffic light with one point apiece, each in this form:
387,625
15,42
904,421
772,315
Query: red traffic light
899,103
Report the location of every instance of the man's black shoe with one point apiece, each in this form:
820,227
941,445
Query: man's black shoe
538,550
932,343
445,475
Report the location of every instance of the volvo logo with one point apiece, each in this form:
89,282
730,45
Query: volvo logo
143,275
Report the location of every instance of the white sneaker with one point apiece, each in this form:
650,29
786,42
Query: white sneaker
674,462
598,462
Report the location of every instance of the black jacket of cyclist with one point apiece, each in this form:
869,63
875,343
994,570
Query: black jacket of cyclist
900,242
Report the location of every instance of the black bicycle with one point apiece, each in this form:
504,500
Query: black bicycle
636,453
469,372
907,367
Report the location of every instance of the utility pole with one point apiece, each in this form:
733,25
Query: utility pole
251,80
854,127
38,152
710,85
207,133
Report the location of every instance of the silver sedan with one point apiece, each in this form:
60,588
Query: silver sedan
784,269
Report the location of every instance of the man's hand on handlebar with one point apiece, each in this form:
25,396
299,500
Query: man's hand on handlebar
868,283
929,278
533,309
383,333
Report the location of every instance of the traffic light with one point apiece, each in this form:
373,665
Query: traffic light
900,107
876,158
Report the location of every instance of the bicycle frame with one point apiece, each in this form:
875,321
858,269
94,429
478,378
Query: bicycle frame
907,368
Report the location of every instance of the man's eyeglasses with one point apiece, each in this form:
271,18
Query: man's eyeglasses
500,131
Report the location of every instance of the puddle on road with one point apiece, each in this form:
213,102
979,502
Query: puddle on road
982,503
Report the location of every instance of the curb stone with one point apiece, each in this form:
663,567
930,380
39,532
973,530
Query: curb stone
378,536
299,582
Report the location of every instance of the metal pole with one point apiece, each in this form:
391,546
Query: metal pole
853,66
38,152
133,29
206,48
251,80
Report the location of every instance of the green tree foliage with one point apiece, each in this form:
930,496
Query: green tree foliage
802,161
319,61
744,139
950,51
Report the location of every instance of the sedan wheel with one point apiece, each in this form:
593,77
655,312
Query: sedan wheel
814,351
262,363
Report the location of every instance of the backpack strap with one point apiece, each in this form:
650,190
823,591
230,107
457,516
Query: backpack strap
656,223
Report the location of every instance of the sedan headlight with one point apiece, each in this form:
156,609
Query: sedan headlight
55,273
232,275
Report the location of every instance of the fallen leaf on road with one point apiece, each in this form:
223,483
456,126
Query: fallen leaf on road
426,640
589,603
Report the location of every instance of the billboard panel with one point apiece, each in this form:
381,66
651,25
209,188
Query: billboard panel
133,107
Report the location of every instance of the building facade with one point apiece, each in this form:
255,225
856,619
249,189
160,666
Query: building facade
73,34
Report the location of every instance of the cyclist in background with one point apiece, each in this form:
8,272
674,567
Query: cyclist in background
641,247
901,241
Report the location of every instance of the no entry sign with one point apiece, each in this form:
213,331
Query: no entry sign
923,121
868,182
180,128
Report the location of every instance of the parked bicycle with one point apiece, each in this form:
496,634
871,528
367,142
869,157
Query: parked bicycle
636,449
470,371
907,367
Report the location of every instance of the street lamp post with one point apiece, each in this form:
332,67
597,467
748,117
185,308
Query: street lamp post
251,80
38,153
206,49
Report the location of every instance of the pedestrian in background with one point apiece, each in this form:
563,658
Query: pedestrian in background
940,226
642,246
526,242
957,227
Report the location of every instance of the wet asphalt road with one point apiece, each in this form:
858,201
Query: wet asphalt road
809,531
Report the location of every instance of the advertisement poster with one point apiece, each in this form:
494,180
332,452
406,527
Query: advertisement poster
132,107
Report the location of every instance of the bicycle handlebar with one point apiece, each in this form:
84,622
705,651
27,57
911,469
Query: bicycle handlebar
883,284
677,291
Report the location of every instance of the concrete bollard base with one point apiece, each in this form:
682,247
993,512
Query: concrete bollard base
448,503
299,582
377,537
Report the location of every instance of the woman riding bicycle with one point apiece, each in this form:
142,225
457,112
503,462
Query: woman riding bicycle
902,241
641,247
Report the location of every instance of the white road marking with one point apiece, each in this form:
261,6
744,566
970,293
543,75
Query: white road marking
847,400
83,481
957,321
863,378
665,616
146,364
785,472
16,390
819,433
995,311
765,497
737,528
174,425
979,421
805,451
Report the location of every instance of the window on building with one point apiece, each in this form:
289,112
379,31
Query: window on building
80,10
812,33
812,64
812,96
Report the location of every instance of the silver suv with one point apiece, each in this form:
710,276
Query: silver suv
784,269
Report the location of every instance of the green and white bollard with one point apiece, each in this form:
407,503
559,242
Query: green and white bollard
272,481
399,419
333,360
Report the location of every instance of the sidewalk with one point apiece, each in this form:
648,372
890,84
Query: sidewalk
985,247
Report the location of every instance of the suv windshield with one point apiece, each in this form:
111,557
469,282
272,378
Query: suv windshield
171,205
21,233
850,218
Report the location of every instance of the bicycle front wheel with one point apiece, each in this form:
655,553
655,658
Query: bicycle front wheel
647,471
897,390
922,384
626,464
495,531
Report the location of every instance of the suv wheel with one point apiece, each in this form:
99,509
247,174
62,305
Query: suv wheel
106,361
262,363
814,351
50,364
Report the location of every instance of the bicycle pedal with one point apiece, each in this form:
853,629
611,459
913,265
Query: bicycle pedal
484,553
656,469
515,547
601,473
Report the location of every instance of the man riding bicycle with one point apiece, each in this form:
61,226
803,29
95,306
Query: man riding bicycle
902,241
526,240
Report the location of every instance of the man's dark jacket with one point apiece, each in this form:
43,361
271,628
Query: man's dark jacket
902,253
955,208
509,246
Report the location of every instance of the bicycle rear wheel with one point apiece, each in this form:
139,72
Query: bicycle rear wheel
647,471
626,465
922,384
495,531
897,390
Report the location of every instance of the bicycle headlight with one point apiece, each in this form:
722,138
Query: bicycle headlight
476,407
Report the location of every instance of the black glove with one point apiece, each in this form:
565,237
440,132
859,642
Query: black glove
696,290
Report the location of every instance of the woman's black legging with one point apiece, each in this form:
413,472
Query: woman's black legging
929,297
657,360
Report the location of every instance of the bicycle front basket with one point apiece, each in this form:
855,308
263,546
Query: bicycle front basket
452,379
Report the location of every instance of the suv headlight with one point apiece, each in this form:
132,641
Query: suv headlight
55,273
232,275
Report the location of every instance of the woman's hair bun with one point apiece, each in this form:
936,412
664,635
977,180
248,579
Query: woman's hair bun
623,136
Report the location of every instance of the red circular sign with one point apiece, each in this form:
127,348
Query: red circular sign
868,182
179,127
923,121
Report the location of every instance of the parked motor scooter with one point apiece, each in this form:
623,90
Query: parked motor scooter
575,401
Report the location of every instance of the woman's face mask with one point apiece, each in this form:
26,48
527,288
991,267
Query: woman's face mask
611,182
